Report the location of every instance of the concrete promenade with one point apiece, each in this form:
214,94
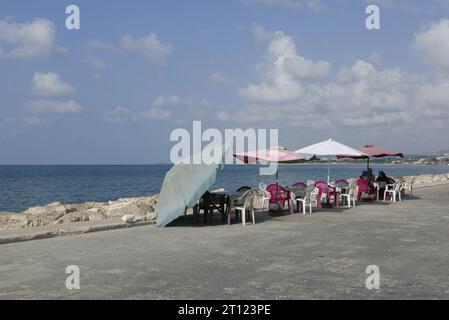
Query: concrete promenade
319,256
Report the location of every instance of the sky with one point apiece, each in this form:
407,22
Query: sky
112,91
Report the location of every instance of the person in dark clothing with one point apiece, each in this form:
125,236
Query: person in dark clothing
383,181
364,174
382,177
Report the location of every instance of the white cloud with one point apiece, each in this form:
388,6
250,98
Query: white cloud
32,121
285,73
222,115
292,4
118,114
156,114
50,84
217,78
433,43
260,33
53,106
27,40
174,107
375,58
97,44
166,101
161,108
358,96
95,63
149,46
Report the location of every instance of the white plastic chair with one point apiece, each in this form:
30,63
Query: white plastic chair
350,195
248,204
265,196
394,190
309,196
408,186
296,194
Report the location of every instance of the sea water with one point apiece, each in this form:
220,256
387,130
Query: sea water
22,187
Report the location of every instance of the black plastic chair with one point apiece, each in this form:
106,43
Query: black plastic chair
243,189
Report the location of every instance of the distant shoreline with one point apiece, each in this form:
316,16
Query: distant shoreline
237,164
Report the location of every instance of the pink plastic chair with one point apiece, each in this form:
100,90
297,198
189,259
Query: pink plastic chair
279,194
328,190
363,187
341,184
300,185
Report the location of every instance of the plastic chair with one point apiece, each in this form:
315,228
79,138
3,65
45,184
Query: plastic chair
308,197
300,185
298,191
243,189
349,195
363,187
248,204
408,186
343,184
393,190
279,194
325,189
265,196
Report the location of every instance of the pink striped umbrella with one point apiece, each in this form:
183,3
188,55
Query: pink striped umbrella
278,155
375,152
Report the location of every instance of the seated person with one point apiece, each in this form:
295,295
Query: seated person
382,177
364,174
370,175
383,181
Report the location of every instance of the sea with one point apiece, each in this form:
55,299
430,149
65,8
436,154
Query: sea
22,187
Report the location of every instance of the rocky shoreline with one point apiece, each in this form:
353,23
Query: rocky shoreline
130,210
57,213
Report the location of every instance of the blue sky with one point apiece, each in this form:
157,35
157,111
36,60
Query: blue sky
112,91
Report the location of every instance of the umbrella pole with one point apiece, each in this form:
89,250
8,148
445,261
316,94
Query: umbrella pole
328,180
367,164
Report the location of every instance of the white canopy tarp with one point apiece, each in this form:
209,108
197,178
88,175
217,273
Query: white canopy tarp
184,184
329,149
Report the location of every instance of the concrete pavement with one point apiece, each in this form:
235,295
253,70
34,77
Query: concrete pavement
322,256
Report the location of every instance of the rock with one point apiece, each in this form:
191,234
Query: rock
96,216
151,215
128,218
137,208
76,217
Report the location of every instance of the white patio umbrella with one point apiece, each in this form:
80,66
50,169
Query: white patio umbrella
184,184
329,149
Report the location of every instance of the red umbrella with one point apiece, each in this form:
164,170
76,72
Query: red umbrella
375,152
